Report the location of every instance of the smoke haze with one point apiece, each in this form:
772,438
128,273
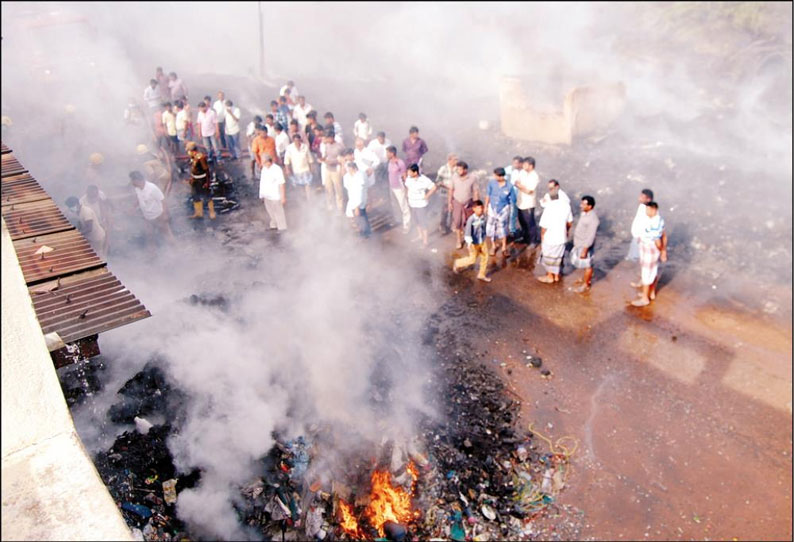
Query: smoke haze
312,325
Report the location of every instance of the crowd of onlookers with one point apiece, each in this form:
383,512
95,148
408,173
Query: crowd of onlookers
290,143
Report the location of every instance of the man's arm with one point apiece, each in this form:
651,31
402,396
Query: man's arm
282,190
431,191
468,234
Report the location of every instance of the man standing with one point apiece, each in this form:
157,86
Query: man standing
498,200
362,128
526,185
232,128
89,226
414,148
262,144
475,240
444,182
283,115
332,125
459,199
366,160
583,242
151,95
219,106
181,122
653,247
397,174
162,84
103,209
356,186
281,140
177,87
551,185
169,122
419,188
330,171
554,225
151,202
272,191
638,225
301,113
199,182
207,122
378,146
511,174
297,162
292,88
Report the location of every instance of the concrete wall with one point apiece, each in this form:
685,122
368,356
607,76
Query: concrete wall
584,111
50,487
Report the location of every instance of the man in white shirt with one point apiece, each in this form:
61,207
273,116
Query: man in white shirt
169,122
182,120
355,184
297,162
362,128
232,127
220,111
419,188
207,122
638,224
555,223
379,146
547,198
444,181
151,202
178,88
293,90
272,192
366,160
526,186
151,95
300,112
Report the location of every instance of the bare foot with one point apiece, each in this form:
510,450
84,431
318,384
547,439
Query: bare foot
484,279
545,279
641,302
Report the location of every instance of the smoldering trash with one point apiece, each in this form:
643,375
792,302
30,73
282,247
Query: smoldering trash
466,475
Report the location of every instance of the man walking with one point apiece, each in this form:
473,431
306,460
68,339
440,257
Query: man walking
397,174
232,128
89,226
584,241
459,200
555,223
526,185
638,225
151,202
498,200
272,192
475,240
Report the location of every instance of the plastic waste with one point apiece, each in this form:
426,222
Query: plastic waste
138,509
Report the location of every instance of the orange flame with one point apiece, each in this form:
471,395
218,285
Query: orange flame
387,503
349,524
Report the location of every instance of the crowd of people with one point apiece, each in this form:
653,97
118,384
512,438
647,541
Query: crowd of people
290,144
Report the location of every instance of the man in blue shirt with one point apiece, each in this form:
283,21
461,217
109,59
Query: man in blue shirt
499,201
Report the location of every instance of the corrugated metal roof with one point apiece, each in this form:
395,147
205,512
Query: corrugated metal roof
4,148
73,292
93,303
35,218
21,189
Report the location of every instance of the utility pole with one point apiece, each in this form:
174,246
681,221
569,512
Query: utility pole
261,43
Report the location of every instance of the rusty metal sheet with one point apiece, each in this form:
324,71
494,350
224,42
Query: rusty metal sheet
10,165
21,189
71,253
34,219
90,305
5,149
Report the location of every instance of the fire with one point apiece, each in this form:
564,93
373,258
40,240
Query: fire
388,503
349,524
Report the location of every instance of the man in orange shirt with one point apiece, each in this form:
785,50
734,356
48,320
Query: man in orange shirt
262,144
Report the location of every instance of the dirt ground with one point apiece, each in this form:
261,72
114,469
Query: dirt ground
682,410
